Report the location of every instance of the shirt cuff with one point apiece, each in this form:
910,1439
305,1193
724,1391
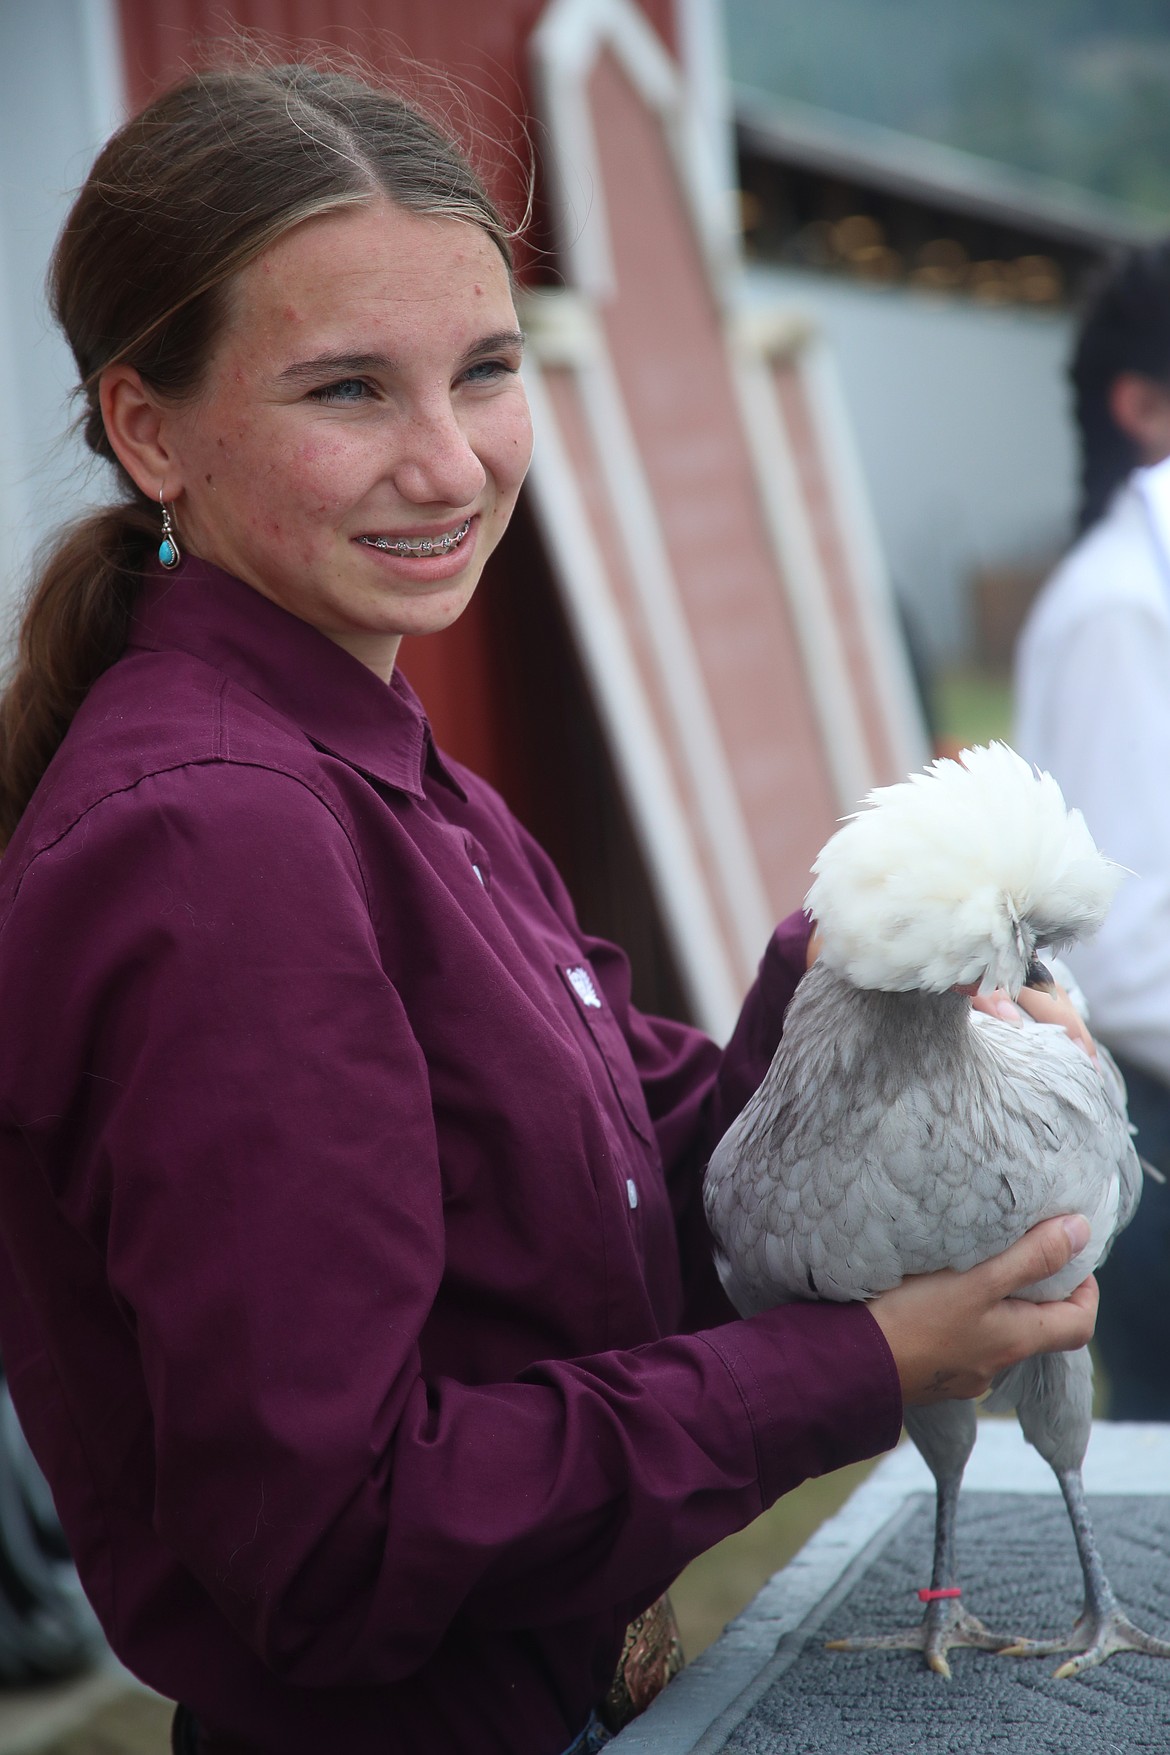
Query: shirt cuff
819,1385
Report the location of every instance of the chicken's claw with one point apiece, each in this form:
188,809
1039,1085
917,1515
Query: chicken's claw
945,1624
1093,1639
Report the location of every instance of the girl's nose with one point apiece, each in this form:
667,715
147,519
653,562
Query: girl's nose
437,464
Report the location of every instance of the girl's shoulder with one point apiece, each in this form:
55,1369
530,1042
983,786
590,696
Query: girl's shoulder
1114,569
163,731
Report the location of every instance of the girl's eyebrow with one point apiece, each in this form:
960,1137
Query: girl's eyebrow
338,365
501,342
355,365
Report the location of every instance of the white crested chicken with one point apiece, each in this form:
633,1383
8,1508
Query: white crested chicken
900,1130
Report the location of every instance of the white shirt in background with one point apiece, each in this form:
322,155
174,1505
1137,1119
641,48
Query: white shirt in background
1093,707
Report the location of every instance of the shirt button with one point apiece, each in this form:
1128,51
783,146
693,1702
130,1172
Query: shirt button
631,1192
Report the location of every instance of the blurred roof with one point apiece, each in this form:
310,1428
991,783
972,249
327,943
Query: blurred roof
908,168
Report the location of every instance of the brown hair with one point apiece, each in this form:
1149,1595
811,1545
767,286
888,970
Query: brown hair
1124,328
179,200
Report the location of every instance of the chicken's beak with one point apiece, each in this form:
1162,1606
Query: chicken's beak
1039,976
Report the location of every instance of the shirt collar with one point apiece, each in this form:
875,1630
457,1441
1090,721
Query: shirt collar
336,700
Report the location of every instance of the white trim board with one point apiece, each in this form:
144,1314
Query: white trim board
631,732
565,46
823,659
869,579
670,641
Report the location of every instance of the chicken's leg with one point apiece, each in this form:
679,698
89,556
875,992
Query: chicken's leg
1054,1404
945,1434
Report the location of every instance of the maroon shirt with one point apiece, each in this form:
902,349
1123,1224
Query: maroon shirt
351,1216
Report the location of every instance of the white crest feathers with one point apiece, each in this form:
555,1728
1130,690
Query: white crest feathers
956,875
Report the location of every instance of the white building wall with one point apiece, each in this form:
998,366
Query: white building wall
60,95
963,422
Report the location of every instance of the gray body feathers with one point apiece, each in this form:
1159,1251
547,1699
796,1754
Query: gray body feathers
898,1133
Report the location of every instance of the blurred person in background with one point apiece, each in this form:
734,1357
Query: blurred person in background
1093,707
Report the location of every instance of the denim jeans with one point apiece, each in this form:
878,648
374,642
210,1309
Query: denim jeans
184,1733
593,1737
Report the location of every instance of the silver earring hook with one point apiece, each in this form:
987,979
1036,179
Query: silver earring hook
169,554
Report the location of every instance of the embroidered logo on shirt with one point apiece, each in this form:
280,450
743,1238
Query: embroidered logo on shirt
581,981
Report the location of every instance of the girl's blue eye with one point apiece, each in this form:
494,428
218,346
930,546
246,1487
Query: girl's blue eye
345,390
487,371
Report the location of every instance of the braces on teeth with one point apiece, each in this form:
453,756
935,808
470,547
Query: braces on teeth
426,545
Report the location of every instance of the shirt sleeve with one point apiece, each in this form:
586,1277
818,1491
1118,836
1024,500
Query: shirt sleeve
1094,708
264,1181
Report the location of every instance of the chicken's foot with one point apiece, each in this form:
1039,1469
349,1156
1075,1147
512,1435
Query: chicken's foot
945,1624
1101,1628
944,1435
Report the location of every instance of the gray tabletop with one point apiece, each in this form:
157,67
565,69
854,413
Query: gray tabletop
768,1686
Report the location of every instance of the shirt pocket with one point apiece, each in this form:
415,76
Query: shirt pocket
611,1045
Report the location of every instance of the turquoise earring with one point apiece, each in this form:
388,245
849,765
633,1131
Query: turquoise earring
168,549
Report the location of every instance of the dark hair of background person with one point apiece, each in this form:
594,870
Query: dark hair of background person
179,200
1126,328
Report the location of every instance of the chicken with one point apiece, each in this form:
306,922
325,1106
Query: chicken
899,1129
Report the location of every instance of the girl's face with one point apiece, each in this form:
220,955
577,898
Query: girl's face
362,433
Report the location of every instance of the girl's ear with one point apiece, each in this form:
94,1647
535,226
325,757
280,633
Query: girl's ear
1140,408
135,427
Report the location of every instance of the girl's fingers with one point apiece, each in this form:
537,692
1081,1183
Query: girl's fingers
1053,1006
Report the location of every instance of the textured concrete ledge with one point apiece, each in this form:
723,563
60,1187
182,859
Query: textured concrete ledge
720,1702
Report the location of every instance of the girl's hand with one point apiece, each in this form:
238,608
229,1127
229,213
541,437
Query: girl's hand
1047,1005
951,1333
